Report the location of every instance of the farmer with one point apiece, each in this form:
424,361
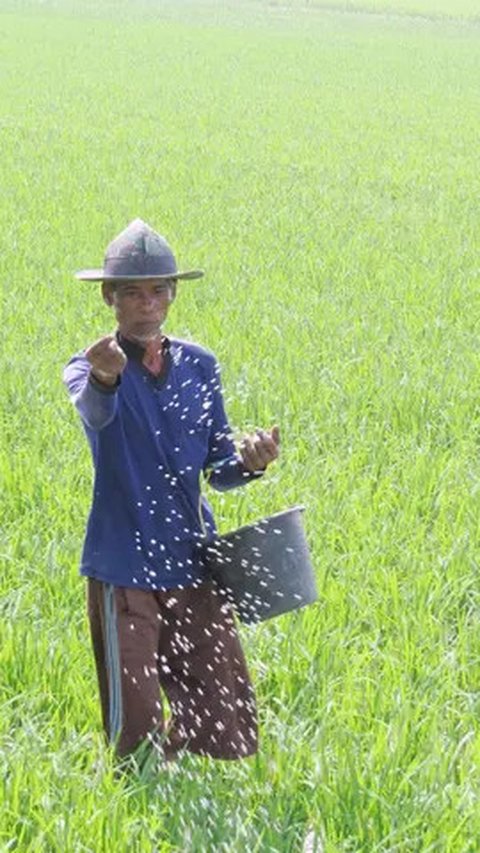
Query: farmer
152,410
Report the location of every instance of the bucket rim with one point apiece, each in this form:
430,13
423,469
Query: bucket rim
254,524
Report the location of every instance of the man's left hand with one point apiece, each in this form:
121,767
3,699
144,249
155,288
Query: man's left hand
260,448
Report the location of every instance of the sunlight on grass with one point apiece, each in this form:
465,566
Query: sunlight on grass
324,170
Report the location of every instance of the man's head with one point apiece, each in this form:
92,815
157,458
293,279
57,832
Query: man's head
139,279
140,306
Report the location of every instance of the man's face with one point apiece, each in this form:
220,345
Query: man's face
140,306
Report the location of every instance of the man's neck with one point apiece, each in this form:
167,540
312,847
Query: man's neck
142,340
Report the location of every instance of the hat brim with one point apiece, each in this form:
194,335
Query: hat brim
98,275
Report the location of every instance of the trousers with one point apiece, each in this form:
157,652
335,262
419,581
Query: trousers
178,645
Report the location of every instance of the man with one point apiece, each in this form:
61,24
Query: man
153,413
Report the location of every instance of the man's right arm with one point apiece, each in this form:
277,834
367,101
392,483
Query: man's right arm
95,402
92,380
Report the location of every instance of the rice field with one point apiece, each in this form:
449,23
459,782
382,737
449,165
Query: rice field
321,163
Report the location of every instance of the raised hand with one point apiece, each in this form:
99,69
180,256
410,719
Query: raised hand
107,359
260,448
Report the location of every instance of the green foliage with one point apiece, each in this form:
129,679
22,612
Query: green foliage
324,169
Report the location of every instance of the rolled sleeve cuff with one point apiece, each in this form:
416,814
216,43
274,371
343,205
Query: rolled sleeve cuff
102,386
231,473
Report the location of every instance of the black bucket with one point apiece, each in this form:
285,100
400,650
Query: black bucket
264,568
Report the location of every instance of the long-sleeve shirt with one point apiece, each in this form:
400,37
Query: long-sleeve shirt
151,439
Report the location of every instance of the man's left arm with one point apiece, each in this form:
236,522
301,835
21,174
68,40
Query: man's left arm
227,468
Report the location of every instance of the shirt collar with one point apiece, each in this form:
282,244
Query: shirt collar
135,350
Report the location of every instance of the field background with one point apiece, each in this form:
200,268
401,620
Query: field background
322,163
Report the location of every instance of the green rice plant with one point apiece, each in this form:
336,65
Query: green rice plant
323,168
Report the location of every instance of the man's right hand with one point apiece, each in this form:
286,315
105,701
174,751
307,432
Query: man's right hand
107,358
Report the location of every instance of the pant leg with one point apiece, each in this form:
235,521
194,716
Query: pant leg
204,674
125,634
96,620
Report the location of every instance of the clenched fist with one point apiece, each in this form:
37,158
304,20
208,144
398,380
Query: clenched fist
107,358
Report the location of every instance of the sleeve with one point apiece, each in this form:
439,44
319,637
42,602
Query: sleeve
223,468
96,403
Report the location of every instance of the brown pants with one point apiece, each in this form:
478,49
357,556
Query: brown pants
185,642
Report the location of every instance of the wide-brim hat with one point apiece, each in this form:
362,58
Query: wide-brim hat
138,253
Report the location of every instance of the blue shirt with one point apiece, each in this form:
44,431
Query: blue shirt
151,439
